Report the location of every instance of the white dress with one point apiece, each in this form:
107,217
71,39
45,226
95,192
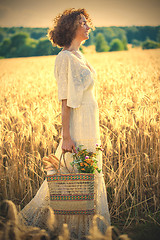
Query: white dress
76,84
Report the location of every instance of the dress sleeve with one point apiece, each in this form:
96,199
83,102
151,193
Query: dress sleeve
70,85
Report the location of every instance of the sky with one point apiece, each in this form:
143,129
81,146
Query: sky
40,13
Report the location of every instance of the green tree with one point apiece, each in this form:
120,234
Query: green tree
132,33
149,44
5,47
136,43
22,45
116,45
37,35
108,34
158,35
44,47
124,41
11,30
101,44
1,37
19,39
25,50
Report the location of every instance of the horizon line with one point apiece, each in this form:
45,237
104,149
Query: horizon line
94,26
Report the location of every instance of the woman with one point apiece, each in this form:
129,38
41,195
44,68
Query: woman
80,116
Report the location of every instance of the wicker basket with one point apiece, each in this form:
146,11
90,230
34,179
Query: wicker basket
71,194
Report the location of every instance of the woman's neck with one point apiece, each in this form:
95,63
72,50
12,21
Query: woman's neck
74,46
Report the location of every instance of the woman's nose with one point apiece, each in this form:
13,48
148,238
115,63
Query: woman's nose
88,27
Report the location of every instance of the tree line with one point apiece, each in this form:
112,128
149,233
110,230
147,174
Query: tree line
25,42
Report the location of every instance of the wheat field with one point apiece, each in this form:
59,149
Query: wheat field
128,93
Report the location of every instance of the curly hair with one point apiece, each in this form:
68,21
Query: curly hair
65,25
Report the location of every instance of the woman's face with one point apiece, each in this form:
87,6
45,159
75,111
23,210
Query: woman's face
82,32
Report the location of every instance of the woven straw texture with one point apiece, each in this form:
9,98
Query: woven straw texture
71,194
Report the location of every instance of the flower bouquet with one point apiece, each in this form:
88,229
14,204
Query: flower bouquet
85,161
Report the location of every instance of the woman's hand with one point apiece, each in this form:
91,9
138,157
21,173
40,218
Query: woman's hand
68,145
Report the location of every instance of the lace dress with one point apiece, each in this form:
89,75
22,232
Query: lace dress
76,84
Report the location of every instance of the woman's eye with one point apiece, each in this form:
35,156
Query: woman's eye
83,24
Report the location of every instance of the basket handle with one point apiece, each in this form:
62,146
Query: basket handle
63,156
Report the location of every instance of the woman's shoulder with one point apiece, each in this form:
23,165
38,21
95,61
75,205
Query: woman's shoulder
66,57
63,56
63,53
70,54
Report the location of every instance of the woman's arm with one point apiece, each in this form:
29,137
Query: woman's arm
67,143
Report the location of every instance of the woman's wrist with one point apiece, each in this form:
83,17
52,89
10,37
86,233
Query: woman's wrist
66,137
